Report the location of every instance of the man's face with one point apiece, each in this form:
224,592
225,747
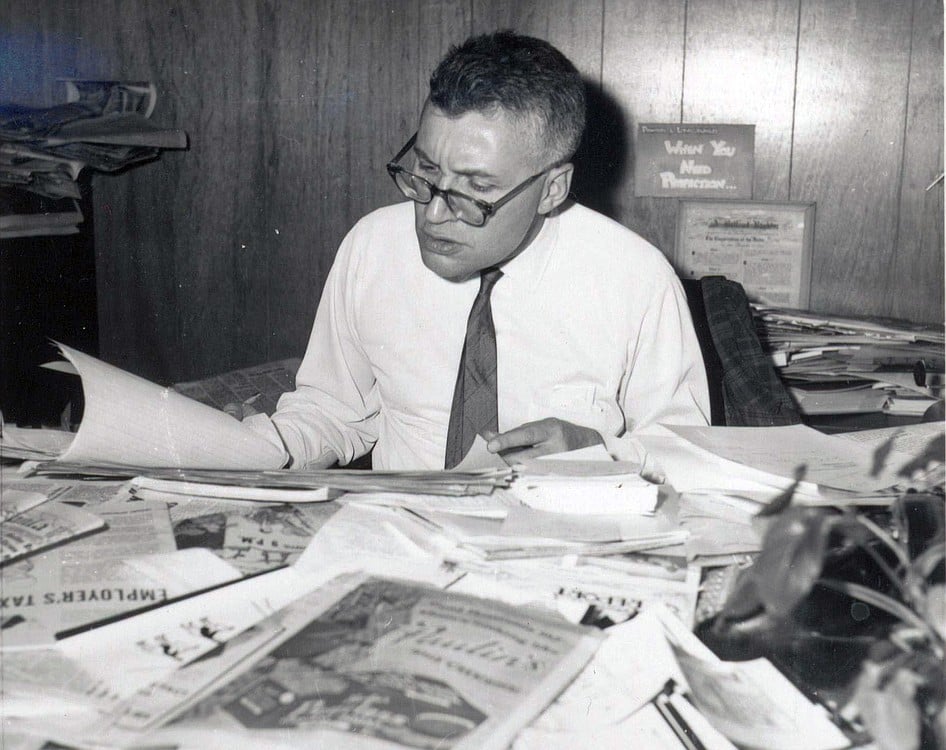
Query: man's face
483,156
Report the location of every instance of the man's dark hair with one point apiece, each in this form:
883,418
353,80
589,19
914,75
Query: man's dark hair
522,75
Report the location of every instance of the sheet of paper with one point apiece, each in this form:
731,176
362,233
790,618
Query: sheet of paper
629,668
14,501
26,443
783,451
363,537
185,569
525,522
157,642
591,461
87,579
908,440
478,457
756,707
130,421
44,526
550,584
233,492
590,494
687,467
493,505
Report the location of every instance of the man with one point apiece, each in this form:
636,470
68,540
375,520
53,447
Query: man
491,304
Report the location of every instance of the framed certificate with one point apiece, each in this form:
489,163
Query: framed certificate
765,246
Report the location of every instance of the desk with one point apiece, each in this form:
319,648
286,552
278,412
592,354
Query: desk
258,529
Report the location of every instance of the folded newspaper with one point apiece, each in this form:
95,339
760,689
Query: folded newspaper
368,662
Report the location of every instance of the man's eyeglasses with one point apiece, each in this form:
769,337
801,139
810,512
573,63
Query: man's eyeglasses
466,208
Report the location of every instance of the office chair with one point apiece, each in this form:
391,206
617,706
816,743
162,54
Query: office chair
745,390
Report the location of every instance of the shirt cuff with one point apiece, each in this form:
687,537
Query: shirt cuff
629,448
263,426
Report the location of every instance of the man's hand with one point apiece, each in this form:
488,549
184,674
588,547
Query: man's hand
541,438
242,409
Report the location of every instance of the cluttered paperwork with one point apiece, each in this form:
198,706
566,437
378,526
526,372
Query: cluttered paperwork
131,421
828,460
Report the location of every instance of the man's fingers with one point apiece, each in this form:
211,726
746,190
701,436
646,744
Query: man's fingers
515,456
234,410
524,436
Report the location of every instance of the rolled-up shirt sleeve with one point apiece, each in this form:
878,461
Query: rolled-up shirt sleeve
665,382
332,414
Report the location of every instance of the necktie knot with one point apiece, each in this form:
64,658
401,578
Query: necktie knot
488,279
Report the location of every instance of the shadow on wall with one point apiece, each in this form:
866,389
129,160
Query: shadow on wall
604,156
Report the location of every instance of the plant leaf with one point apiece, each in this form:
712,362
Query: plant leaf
889,708
792,558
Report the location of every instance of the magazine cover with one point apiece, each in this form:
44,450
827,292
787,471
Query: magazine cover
394,664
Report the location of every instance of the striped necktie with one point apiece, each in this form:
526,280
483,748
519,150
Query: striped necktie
474,407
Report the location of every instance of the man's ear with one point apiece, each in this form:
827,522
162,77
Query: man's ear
558,183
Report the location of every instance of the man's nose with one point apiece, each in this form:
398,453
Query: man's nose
437,211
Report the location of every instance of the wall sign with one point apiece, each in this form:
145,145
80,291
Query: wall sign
765,246
694,160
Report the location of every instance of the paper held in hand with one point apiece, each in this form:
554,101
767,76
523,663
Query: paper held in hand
131,421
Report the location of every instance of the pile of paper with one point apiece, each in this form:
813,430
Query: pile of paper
103,125
26,443
818,469
844,365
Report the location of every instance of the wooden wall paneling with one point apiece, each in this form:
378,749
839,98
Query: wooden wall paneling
575,28
232,166
38,44
135,264
851,88
917,262
310,91
382,101
191,221
347,96
443,23
740,67
642,69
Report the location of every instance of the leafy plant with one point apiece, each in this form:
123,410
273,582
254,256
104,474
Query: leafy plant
873,584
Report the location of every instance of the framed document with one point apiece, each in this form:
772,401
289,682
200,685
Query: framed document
765,246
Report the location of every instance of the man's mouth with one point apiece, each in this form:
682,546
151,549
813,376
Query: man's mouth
440,245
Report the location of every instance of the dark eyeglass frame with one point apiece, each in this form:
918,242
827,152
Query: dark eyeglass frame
488,208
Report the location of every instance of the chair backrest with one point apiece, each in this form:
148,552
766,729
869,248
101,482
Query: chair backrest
745,389
714,368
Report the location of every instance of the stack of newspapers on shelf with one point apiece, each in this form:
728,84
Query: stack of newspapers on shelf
103,125
848,365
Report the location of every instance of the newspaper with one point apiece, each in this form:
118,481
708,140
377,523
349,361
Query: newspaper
253,540
266,383
393,664
37,528
86,579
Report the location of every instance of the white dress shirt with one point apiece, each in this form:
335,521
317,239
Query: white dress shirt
592,327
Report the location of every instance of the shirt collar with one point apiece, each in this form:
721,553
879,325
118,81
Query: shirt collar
529,266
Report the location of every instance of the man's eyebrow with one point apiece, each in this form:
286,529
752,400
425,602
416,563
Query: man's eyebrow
467,172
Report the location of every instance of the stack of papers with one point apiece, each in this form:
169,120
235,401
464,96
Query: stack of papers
27,444
584,482
766,461
102,124
838,365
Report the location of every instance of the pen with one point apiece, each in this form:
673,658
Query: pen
670,714
253,399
